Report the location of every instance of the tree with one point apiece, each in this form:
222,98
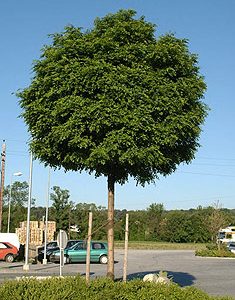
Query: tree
115,101
19,193
61,207
216,219
155,215
19,199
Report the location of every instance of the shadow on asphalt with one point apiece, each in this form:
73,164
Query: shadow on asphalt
183,279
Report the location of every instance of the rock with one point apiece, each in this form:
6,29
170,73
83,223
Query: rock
157,278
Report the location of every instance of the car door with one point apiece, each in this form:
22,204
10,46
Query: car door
77,253
97,249
3,250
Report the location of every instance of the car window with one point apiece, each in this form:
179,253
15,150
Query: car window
52,245
71,243
79,246
98,246
2,246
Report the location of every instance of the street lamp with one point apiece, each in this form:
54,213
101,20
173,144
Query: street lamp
44,261
26,264
9,202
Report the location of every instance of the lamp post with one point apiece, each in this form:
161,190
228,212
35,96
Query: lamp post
9,202
26,264
44,261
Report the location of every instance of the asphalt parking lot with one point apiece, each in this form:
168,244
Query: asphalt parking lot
215,276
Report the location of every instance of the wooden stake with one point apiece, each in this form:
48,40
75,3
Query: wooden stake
126,250
88,250
3,154
110,227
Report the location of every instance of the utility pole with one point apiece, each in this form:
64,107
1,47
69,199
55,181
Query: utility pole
3,159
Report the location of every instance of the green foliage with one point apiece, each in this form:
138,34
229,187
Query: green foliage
19,193
19,200
155,216
60,207
74,288
212,247
115,100
213,250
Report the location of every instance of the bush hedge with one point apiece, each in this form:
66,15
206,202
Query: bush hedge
213,251
74,288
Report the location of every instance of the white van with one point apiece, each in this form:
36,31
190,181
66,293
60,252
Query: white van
10,238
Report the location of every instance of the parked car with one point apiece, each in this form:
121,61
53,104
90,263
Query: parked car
49,245
231,247
51,248
8,252
78,252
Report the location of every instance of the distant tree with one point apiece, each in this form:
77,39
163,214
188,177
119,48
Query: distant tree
38,213
200,230
61,207
117,102
177,227
138,227
215,220
19,193
155,215
18,203
80,215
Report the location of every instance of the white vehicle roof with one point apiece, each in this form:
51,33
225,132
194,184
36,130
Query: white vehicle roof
10,238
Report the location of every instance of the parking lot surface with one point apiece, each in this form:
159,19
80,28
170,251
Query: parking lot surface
215,276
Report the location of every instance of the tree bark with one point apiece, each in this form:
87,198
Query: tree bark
110,267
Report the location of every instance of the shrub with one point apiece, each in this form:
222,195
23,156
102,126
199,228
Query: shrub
212,247
214,252
74,288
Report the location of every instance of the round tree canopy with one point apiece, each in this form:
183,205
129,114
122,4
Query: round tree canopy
115,100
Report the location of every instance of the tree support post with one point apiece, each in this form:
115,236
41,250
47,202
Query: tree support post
88,249
110,267
126,249
3,158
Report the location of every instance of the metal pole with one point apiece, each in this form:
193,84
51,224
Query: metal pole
126,249
26,265
44,261
3,159
9,208
61,253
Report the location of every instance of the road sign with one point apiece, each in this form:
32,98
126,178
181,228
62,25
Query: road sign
62,239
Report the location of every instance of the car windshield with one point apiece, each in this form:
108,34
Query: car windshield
79,246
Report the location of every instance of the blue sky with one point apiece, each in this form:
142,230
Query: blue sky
210,28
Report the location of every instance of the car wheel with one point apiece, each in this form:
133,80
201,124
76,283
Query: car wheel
9,258
103,259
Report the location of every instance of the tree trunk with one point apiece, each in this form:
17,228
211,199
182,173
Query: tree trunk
110,267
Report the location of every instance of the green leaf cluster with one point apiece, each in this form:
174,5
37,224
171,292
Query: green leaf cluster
115,100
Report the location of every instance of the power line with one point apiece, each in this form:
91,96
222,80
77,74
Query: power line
214,165
214,158
12,140
207,174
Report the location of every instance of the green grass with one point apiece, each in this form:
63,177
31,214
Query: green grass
160,245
